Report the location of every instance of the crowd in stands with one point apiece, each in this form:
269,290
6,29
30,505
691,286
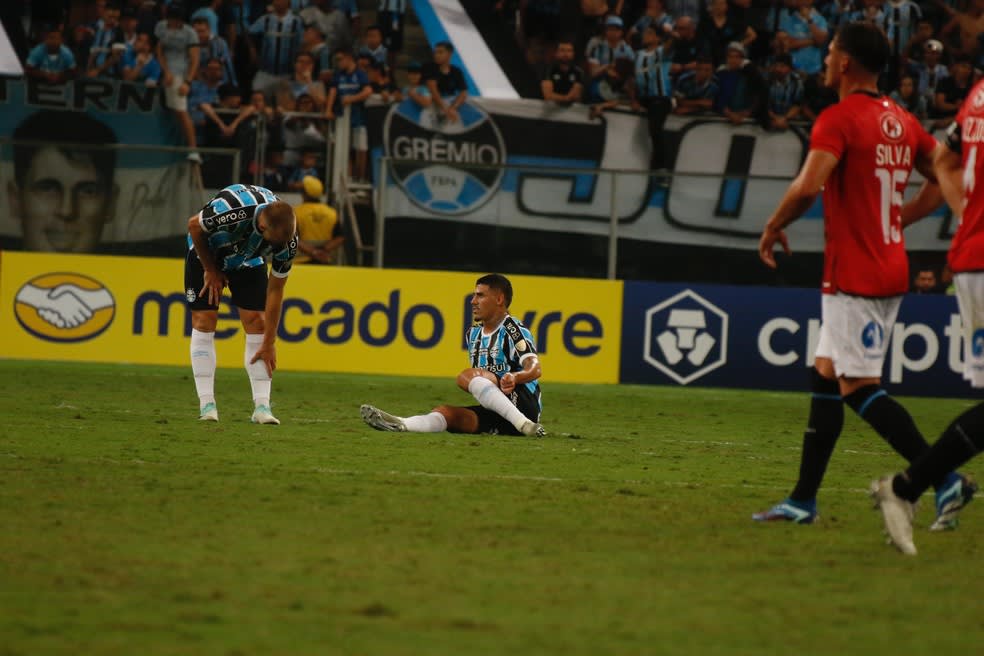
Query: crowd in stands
231,69
744,59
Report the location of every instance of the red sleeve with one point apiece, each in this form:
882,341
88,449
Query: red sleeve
828,134
925,142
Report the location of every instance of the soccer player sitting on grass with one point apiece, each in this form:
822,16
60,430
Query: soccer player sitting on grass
502,377
228,242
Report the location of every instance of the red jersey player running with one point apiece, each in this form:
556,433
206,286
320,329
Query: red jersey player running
862,151
960,171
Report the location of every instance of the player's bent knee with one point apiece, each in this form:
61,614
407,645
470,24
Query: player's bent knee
253,321
466,376
204,321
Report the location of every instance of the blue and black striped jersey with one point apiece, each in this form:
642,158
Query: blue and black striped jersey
229,220
504,350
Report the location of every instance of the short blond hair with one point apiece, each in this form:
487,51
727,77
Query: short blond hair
280,221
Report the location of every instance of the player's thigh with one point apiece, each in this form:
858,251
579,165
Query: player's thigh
970,299
854,333
194,280
466,376
248,288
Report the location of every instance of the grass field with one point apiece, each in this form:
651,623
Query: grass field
128,527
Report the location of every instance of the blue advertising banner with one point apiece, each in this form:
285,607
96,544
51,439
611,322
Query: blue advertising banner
765,338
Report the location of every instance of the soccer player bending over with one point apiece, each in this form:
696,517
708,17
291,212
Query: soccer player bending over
960,171
502,377
862,151
228,242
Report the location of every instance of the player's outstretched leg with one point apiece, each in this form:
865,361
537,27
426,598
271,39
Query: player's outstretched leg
490,397
897,514
203,367
894,423
822,430
432,422
259,381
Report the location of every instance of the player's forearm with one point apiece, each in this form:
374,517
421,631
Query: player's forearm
274,301
926,200
949,174
459,100
200,242
531,371
793,205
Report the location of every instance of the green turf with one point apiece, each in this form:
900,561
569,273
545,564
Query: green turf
128,527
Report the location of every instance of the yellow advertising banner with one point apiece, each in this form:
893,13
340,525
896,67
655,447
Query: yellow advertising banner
381,321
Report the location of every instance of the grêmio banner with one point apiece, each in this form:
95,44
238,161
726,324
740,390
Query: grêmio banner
522,164
766,338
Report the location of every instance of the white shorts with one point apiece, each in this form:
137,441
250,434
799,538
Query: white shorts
360,138
855,332
172,98
970,298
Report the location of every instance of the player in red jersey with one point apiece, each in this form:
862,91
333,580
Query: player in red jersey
862,151
960,171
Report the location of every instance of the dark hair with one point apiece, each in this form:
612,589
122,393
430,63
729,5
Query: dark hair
444,44
69,132
343,51
866,44
704,59
304,54
567,39
499,283
374,27
376,65
200,19
784,59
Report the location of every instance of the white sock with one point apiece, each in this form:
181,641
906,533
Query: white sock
259,379
490,397
203,364
429,423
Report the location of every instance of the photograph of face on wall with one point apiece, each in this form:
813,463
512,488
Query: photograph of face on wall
82,169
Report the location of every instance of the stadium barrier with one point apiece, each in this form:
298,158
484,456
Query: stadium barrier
108,309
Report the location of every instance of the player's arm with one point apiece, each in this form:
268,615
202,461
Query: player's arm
435,94
547,90
949,172
531,371
214,280
193,59
271,322
797,199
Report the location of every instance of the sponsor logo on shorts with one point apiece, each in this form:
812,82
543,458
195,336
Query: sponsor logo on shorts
64,307
686,337
977,343
873,336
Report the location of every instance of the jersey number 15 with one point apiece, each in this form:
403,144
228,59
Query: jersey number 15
892,183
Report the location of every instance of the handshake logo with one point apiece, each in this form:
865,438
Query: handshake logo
64,307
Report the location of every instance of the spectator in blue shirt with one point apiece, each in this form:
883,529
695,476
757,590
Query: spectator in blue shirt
211,46
696,89
416,90
602,51
373,45
309,166
806,30
210,12
104,59
139,63
785,94
350,88
204,91
655,13
279,34
51,61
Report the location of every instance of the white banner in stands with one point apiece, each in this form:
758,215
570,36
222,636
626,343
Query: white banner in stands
9,64
726,179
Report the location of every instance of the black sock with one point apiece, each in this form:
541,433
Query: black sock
889,419
822,431
961,441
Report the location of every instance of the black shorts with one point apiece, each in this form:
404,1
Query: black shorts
491,423
248,286
391,25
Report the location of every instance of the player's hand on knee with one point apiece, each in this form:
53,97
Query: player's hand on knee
215,282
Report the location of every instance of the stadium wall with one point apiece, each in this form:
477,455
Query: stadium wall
116,309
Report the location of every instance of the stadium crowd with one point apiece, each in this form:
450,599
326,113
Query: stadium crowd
741,59
232,70
228,66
